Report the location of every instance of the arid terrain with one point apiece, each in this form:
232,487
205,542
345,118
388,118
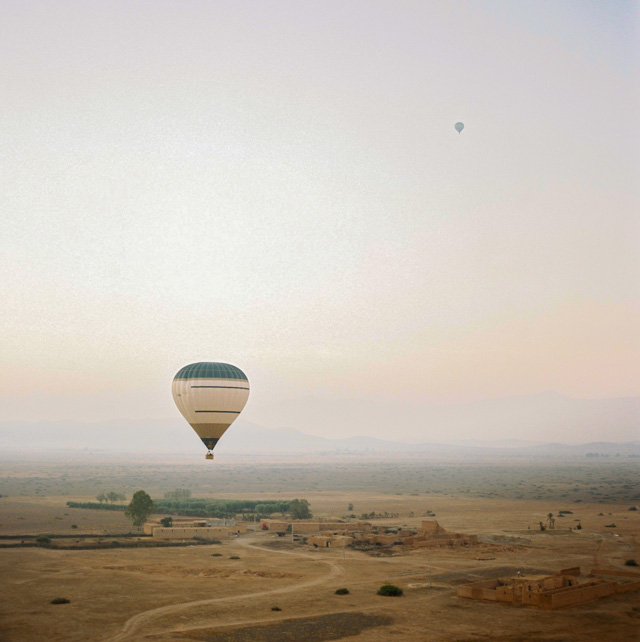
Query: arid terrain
227,592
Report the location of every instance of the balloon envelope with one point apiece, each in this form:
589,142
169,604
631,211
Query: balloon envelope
210,397
459,127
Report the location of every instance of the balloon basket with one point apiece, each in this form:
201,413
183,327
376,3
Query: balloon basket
209,456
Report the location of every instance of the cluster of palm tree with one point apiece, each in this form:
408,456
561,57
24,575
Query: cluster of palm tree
551,522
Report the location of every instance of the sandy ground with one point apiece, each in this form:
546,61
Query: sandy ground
188,593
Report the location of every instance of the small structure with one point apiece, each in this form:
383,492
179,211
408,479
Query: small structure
273,526
432,535
329,541
566,588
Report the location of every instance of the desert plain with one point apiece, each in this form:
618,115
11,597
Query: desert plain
265,588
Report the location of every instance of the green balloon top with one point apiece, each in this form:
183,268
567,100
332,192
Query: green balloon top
210,370
459,127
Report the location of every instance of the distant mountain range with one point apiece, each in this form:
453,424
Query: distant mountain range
547,416
525,422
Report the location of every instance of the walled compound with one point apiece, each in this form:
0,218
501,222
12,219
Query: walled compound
326,534
565,588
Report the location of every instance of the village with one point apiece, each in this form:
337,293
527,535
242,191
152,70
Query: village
316,533
567,587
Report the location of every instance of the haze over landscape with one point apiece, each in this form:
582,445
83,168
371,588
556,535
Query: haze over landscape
280,186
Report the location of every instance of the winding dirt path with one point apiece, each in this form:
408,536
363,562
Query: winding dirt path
133,624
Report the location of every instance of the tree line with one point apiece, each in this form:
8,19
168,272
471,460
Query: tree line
111,497
216,508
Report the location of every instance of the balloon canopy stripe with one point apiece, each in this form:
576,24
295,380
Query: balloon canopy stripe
224,412
227,387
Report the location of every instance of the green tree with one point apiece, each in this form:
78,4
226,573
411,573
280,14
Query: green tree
390,590
140,507
299,509
167,522
101,497
350,507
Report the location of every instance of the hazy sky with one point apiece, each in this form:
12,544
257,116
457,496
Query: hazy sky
279,185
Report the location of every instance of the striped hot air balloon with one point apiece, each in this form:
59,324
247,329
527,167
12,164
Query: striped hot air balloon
210,397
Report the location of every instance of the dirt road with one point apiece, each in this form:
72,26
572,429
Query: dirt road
133,625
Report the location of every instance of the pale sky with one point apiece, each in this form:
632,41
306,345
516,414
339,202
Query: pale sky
279,185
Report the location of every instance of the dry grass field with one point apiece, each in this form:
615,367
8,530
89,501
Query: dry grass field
201,593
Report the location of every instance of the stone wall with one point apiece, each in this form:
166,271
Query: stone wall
191,532
326,541
572,595
484,590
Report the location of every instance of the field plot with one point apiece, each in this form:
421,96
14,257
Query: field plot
266,588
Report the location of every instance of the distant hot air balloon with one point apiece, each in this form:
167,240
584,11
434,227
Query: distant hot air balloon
210,397
459,127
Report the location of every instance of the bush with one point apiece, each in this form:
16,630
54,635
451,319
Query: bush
634,508
234,557
342,591
216,554
74,526
631,563
60,600
276,608
43,539
390,590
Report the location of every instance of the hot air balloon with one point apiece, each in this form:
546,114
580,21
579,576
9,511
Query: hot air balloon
459,127
210,397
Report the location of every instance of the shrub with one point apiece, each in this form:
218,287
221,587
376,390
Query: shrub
634,508
342,591
216,554
43,539
631,563
60,600
390,590
276,608
234,557
74,526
